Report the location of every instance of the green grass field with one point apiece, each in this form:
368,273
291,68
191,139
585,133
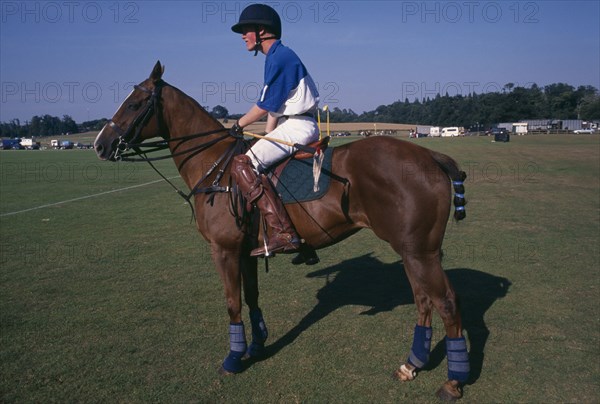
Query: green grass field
107,292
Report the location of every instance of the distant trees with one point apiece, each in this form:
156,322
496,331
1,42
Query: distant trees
341,115
96,124
45,125
589,107
555,101
13,129
219,112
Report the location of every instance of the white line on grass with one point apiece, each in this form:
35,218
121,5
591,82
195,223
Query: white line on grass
83,197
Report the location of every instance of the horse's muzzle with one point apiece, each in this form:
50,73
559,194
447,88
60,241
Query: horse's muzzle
105,146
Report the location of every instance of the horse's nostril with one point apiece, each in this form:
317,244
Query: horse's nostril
100,150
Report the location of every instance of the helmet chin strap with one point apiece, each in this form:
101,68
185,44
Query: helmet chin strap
259,41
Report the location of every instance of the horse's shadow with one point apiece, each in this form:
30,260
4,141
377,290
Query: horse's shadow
366,281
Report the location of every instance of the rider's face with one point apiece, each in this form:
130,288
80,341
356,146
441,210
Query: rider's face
249,36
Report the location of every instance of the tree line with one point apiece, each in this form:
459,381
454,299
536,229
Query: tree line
47,125
555,101
513,103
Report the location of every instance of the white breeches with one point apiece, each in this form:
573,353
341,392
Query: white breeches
295,129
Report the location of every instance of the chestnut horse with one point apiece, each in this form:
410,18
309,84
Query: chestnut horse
401,191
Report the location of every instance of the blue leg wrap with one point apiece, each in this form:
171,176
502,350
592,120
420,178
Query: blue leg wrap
237,348
419,353
259,334
458,359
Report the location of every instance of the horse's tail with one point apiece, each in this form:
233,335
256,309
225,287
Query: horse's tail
450,167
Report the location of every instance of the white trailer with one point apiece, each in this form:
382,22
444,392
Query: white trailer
519,128
29,144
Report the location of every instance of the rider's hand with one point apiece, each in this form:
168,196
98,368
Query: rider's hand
236,130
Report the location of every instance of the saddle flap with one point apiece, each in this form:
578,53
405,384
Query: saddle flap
275,171
295,179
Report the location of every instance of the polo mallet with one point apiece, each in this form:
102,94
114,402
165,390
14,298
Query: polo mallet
325,109
298,146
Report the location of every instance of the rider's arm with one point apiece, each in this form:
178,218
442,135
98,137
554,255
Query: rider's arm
252,116
271,123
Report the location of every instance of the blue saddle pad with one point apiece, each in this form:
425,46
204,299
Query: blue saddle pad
296,182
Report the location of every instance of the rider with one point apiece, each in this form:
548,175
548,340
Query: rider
289,99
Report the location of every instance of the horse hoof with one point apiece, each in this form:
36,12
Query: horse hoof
255,351
307,255
450,391
223,372
298,259
406,373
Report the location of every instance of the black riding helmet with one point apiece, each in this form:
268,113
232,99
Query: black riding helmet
259,15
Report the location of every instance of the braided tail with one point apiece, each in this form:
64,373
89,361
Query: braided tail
450,167
459,196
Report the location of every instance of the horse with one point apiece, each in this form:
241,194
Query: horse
399,190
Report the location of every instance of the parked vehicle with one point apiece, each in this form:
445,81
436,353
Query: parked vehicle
12,144
501,135
450,131
30,144
584,131
422,131
520,128
66,144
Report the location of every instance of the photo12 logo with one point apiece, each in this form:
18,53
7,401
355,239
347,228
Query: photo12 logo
213,92
412,90
513,172
228,12
452,12
67,91
68,254
67,172
52,12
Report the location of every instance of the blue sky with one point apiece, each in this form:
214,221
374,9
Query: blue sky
80,58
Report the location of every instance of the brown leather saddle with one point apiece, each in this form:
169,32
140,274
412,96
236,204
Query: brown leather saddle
319,146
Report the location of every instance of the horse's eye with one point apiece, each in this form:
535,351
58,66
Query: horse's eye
134,106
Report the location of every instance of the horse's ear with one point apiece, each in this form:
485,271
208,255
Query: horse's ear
157,72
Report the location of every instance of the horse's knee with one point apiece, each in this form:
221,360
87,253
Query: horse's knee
234,309
448,310
424,307
449,307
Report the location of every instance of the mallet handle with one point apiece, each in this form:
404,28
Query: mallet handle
298,146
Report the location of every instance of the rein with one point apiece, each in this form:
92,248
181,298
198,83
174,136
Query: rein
128,140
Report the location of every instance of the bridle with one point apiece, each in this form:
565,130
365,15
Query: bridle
129,137
129,148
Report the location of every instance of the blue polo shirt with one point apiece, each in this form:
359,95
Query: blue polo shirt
288,88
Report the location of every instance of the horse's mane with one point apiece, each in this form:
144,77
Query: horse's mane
195,103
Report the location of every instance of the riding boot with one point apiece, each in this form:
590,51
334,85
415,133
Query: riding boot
258,189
